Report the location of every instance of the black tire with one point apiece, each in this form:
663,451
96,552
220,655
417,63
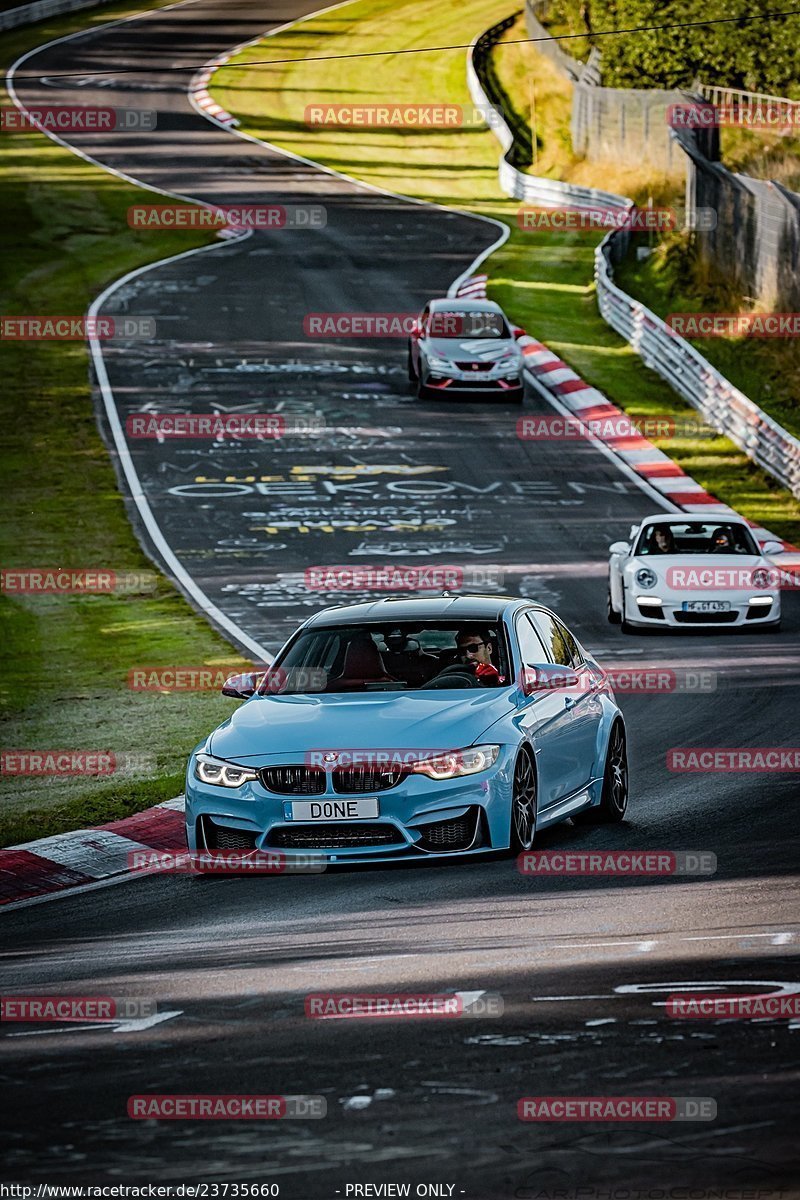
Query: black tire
614,798
412,374
422,392
523,804
614,618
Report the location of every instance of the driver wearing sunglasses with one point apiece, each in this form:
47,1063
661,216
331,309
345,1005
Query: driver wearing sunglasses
475,651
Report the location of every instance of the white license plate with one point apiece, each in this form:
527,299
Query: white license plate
710,606
329,810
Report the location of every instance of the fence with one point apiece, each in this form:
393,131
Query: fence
521,186
548,46
28,14
755,246
751,107
623,124
722,405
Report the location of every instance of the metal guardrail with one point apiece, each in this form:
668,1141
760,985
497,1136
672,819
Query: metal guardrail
749,104
520,186
28,14
722,405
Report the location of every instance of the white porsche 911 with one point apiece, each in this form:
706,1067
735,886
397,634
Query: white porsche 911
686,571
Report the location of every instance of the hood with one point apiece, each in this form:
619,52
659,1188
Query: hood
389,720
661,563
472,349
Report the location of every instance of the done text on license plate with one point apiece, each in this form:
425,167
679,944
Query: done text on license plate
329,810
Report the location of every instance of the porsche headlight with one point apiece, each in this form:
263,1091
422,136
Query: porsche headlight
455,763
223,774
646,578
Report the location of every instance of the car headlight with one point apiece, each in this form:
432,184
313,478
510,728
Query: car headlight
646,577
223,774
455,763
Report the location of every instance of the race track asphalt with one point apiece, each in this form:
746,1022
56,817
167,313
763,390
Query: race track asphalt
419,1101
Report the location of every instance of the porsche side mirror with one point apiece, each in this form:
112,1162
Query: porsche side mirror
772,548
548,677
619,548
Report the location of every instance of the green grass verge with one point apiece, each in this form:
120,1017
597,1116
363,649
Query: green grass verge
545,281
65,660
767,370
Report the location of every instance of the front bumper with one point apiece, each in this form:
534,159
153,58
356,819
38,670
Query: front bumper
418,818
496,383
639,611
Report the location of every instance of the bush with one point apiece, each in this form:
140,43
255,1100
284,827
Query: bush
757,55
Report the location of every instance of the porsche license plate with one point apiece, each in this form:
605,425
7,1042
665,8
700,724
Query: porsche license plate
329,810
706,606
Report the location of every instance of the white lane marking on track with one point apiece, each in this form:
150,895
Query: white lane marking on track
93,852
134,1025
179,571
505,230
621,465
126,460
146,513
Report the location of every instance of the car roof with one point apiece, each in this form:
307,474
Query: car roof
706,518
482,609
464,304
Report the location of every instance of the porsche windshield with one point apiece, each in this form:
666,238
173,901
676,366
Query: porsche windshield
696,537
402,657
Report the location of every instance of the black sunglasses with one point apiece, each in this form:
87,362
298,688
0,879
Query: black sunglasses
471,647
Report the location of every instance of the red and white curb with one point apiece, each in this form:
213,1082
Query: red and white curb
198,90
86,856
556,380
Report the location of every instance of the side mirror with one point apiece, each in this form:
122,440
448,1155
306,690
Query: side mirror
416,330
772,548
242,686
619,548
518,332
547,677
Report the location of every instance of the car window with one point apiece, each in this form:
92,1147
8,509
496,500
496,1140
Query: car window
467,323
392,656
695,537
530,646
572,645
552,634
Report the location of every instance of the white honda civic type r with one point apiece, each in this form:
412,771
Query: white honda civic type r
678,572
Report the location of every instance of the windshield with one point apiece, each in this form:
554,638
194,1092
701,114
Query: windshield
400,657
466,324
696,537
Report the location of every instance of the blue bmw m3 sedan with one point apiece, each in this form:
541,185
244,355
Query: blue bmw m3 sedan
405,729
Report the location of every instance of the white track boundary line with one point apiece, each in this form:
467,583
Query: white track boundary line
618,462
214,65
134,483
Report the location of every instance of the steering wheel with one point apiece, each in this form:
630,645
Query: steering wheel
454,676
